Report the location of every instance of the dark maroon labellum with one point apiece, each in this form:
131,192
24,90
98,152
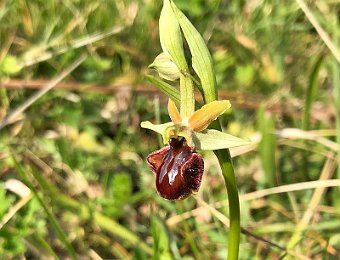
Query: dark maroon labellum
178,169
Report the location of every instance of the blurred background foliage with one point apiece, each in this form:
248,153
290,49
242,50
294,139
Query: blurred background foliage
74,181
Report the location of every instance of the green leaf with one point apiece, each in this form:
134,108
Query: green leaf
201,58
166,88
215,140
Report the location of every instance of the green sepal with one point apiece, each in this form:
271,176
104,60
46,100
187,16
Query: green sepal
162,129
201,59
215,140
171,37
172,44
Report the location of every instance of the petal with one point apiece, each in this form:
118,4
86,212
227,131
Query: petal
214,140
173,112
178,170
161,129
201,118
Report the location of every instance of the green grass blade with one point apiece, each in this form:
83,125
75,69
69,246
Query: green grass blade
85,213
267,146
161,243
39,240
55,225
311,93
336,80
115,228
336,84
335,69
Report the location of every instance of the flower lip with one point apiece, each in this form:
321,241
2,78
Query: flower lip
178,169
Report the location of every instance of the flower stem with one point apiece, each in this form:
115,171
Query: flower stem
234,204
227,167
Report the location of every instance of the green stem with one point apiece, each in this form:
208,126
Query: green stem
227,168
234,204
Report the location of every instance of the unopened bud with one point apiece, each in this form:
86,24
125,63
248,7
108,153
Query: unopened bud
165,67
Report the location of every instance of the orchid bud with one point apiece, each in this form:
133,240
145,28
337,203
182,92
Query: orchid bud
165,67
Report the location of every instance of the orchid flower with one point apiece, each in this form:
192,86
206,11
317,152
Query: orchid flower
178,167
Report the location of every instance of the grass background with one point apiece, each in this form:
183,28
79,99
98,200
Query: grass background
74,181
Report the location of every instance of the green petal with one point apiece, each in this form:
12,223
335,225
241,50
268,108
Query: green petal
162,129
201,58
214,140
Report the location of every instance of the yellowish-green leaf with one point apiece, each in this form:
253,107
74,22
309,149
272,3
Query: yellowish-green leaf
173,112
201,58
215,140
201,119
